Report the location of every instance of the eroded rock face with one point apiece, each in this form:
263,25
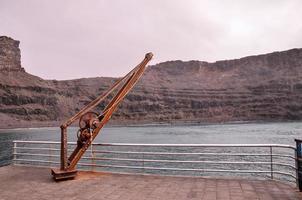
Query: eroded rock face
10,56
264,87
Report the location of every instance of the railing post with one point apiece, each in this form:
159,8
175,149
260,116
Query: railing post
299,163
14,152
93,163
143,163
64,147
271,158
50,153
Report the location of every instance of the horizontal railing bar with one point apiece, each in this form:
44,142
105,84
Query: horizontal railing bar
195,153
162,168
34,148
40,161
43,149
193,161
167,161
39,142
283,155
188,169
285,165
30,165
46,155
197,145
36,154
164,153
165,145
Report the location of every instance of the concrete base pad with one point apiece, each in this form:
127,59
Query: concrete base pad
60,175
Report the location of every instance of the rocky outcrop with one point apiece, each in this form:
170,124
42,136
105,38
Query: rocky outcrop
263,88
10,56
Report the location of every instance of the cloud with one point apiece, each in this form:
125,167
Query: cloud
73,39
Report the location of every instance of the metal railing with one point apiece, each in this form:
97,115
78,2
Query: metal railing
273,161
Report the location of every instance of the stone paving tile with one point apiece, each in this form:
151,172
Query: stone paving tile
24,183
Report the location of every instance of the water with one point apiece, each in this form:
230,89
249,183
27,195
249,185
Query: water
252,133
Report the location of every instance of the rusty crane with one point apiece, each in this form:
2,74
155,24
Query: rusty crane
90,123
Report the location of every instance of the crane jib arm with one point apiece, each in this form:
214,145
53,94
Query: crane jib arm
90,122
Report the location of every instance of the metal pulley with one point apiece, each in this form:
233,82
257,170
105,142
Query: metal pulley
88,120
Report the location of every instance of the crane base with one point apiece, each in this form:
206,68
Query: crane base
60,175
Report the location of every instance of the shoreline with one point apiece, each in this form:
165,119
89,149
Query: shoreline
164,124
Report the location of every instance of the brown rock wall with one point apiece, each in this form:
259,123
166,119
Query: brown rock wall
265,88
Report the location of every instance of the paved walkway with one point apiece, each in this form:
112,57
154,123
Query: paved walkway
36,183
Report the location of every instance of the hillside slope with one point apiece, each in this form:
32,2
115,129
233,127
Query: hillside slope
264,88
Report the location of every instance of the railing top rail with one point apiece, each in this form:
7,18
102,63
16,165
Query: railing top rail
198,145
38,142
165,145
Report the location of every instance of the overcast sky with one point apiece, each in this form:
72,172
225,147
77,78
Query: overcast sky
77,38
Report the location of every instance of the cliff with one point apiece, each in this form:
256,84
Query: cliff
264,88
10,56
